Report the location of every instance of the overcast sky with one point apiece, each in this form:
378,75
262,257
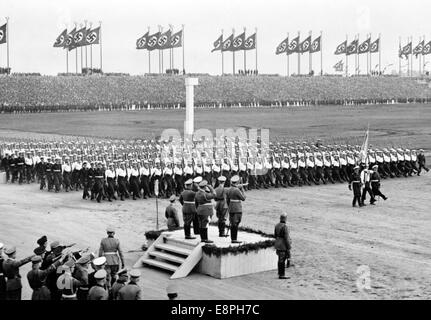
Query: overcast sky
34,26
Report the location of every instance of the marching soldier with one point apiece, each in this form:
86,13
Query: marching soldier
375,183
131,291
355,184
42,172
111,250
221,206
20,165
28,160
67,174
11,272
234,197
204,208
98,290
187,200
282,245
56,171
110,180
179,180
422,162
145,174
365,180
99,182
122,278
121,179
85,179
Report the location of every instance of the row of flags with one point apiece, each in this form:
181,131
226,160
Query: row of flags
421,48
77,38
160,40
355,48
300,47
232,43
3,33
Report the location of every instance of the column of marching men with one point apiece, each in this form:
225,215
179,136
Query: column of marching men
108,170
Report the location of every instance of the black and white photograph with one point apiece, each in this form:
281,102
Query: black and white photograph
218,150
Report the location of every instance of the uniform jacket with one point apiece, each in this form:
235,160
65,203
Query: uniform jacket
172,216
234,198
187,200
11,271
110,248
116,288
130,291
203,203
282,237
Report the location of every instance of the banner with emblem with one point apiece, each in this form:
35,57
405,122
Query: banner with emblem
427,49
282,47
79,37
70,44
419,48
353,47
176,40
238,42
316,45
341,48
339,66
141,43
293,46
163,42
304,46
60,42
3,35
93,36
218,44
375,46
152,41
250,42
227,44
405,51
364,47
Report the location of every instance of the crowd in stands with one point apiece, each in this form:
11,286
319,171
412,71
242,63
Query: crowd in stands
119,92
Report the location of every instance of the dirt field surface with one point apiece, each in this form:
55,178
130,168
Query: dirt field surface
330,239
407,125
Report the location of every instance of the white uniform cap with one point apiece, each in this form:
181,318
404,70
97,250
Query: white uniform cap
99,261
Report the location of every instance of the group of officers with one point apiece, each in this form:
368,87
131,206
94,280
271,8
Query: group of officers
110,170
60,273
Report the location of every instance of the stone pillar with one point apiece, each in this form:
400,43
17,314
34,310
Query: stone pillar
190,117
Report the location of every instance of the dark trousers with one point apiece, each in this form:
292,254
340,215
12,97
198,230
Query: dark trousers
367,188
179,182
145,185
375,187
234,220
221,216
13,294
357,195
283,256
66,180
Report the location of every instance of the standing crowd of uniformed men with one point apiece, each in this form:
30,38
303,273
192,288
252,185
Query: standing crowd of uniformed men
63,274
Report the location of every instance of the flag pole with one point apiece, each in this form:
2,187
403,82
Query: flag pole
76,53
221,50
100,44
380,55
321,53
357,56
411,57
86,66
184,70
423,58
399,56
245,61
161,54
233,53
170,49
91,52
82,58
347,59
7,44
159,49
299,55
310,56
369,57
149,55
287,54
255,47
419,57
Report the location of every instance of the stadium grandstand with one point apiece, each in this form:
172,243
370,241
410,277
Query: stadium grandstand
33,93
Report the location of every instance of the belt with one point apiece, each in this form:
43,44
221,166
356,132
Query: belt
109,253
205,204
189,202
235,200
68,296
83,288
374,180
356,182
100,177
57,170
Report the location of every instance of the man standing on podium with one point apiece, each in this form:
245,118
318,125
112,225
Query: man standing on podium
234,197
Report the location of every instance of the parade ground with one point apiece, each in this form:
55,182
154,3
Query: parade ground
330,239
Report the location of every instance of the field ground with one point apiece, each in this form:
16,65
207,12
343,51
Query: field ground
330,238
407,124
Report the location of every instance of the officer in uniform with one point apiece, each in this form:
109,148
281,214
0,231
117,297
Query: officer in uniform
41,168
97,264
98,290
110,180
122,278
145,174
56,171
204,207
36,277
131,291
365,180
67,285
11,272
282,245
422,161
122,179
80,273
221,206
375,183
134,181
355,184
171,215
111,250
234,196
187,200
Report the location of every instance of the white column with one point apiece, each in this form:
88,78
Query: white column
190,118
